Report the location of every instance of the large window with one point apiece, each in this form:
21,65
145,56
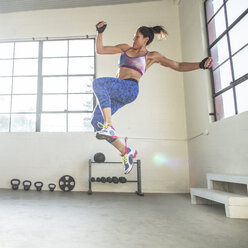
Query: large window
46,86
227,25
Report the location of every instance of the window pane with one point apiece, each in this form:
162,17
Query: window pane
217,26
81,47
81,65
26,49
240,63
83,102
80,84
54,66
219,52
222,76
25,67
23,123
235,8
6,50
79,123
212,6
5,104
54,103
4,123
242,99
5,85
55,48
23,103
24,85
6,67
54,84
239,35
224,105
53,123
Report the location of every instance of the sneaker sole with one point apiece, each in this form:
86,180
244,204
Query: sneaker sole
103,136
99,136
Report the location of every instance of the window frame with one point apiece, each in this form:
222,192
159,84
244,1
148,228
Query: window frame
234,82
39,92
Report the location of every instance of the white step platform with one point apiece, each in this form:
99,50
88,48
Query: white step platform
239,179
236,206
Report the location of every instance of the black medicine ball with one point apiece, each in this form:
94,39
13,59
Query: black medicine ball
99,157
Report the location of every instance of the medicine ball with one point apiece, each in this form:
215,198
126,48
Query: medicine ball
99,157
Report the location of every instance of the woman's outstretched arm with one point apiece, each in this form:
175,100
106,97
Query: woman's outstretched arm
180,66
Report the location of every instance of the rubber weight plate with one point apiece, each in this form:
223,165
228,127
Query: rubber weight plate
66,183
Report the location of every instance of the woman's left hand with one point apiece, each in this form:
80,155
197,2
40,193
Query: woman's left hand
206,63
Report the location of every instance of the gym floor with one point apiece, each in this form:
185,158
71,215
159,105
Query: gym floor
74,220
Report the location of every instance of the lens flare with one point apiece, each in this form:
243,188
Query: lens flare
160,159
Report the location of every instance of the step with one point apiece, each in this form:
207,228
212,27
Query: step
236,206
229,178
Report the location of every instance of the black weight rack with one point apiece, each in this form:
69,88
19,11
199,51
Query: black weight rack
138,181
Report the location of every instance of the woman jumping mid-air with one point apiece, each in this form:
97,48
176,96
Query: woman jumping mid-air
114,93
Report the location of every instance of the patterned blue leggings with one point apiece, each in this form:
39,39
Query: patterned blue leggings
112,93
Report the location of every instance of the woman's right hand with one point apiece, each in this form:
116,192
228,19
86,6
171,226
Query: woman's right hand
100,26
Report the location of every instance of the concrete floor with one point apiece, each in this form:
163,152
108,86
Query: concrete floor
76,220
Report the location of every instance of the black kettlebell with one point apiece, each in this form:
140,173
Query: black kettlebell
99,157
27,184
15,183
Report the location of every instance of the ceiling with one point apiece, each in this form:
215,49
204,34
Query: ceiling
8,6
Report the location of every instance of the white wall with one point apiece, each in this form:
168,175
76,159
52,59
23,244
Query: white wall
155,123
224,150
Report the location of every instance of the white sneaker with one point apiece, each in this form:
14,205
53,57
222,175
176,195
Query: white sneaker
107,132
127,159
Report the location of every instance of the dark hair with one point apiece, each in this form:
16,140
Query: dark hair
150,31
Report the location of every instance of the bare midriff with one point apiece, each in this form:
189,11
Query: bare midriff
124,73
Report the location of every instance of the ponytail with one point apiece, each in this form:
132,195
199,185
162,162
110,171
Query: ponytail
151,31
160,31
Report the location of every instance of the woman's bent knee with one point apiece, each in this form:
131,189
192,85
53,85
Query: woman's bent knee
97,84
